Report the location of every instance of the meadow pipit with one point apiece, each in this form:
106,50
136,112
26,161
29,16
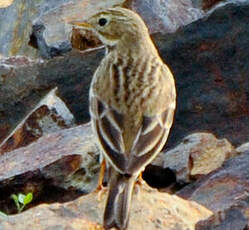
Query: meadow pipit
132,103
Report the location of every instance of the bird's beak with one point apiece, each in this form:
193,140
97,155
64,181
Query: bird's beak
83,24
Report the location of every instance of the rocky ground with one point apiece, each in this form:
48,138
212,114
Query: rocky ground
200,179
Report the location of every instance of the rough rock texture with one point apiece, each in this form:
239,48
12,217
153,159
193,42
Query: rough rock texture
60,161
24,82
198,154
166,15
17,17
225,192
210,97
156,211
161,16
46,20
50,115
83,40
51,32
211,65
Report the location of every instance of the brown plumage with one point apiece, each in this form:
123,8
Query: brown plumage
132,103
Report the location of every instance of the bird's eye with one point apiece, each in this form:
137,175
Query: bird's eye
102,21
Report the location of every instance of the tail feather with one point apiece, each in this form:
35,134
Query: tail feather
118,201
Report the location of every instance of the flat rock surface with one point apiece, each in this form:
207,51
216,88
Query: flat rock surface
149,210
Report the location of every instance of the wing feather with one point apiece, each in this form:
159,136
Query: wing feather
148,144
117,160
111,134
107,124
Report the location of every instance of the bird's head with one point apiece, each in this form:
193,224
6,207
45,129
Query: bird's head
115,25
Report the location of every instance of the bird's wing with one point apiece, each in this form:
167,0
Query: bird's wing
151,137
150,140
155,128
108,125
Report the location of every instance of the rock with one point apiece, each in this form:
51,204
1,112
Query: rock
49,115
24,82
51,31
51,34
167,212
229,219
83,40
15,27
17,17
160,16
244,148
224,191
206,4
210,98
57,167
197,155
167,15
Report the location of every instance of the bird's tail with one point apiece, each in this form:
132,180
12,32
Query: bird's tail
118,201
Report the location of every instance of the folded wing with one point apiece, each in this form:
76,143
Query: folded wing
151,137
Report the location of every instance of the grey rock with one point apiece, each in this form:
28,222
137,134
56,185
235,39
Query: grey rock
167,15
16,25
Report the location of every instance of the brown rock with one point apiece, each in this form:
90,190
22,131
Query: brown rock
48,116
224,191
156,211
65,160
197,155
83,40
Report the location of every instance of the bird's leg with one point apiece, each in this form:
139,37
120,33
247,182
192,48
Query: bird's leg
101,176
104,170
140,180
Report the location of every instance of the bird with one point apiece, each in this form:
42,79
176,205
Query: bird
132,99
